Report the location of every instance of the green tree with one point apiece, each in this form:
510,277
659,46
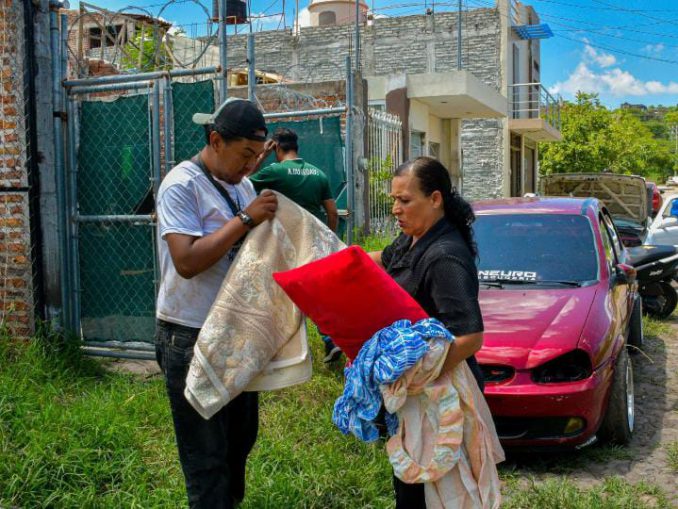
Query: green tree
146,52
595,139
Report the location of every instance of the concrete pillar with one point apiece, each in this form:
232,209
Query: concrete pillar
398,103
48,202
455,166
359,151
445,145
505,63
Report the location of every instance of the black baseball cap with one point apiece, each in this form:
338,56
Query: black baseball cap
237,117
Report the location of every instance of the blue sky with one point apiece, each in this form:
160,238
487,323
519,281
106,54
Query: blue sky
624,50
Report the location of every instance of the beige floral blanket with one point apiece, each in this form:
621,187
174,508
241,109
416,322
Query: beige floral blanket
254,337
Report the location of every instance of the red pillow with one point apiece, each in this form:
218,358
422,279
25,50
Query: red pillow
349,297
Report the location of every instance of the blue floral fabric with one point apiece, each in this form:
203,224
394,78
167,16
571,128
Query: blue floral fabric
381,360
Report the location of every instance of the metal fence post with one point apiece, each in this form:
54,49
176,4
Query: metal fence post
59,165
168,125
350,191
155,137
64,58
223,54
73,229
357,35
251,68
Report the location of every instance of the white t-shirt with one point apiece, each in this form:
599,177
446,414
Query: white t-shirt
188,203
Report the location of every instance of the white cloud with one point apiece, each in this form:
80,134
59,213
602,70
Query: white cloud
615,82
599,72
654,49
266,22
598,57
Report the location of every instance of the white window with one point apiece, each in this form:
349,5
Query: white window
416,144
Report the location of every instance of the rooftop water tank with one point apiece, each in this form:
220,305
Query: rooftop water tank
236,12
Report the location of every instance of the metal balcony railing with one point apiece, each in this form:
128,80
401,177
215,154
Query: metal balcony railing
532,100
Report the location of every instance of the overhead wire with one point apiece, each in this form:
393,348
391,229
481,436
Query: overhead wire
635,11
482,3
610,8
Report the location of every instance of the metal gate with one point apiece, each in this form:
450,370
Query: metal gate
385,154
119,146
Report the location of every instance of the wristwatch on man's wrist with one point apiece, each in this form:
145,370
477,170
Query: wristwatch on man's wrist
245,218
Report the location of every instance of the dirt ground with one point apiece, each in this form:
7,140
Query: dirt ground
645,459
656,385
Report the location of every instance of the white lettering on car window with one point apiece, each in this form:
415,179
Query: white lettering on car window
511,275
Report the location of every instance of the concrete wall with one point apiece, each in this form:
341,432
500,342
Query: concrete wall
414,44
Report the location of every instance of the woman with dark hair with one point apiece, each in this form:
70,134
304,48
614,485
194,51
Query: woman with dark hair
434,261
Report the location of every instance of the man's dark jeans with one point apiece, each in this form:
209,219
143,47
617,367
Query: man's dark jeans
213,452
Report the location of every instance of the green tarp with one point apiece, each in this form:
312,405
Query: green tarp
187,99
117,289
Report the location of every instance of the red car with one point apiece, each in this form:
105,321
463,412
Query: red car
560,305
656,197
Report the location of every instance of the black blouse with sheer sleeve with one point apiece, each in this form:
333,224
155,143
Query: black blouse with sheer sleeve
440,273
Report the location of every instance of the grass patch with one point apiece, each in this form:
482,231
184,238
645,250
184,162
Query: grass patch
75,435
374,242
672,455
654,328
612,493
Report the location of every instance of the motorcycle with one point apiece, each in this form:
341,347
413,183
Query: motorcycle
656,267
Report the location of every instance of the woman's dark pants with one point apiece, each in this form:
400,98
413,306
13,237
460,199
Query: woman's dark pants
212,452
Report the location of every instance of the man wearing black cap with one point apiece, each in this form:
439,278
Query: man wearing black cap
205,207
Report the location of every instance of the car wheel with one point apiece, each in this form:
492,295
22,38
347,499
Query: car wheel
636,333
670,300
619,420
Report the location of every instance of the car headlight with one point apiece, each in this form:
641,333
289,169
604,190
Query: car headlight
571,367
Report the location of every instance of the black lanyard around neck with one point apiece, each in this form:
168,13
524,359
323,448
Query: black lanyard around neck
235,208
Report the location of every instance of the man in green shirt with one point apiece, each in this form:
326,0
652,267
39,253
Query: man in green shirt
305,185
298,180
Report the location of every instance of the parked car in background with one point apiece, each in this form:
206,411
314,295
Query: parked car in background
559,304
625,196
655,198
664,227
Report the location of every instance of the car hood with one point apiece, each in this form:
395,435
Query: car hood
525,328
625,196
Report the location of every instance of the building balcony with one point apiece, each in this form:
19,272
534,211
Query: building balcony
534,112
454,94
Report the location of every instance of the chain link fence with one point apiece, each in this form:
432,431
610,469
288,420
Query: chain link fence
187,99
122,138
116,273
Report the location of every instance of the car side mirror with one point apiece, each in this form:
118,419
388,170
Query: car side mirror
624,274
669,221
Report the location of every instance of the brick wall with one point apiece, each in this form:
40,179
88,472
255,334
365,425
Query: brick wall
16,301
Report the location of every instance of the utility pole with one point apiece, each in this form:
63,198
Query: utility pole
459,37
223,55
357,35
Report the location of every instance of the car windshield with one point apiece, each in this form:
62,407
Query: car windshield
535,248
